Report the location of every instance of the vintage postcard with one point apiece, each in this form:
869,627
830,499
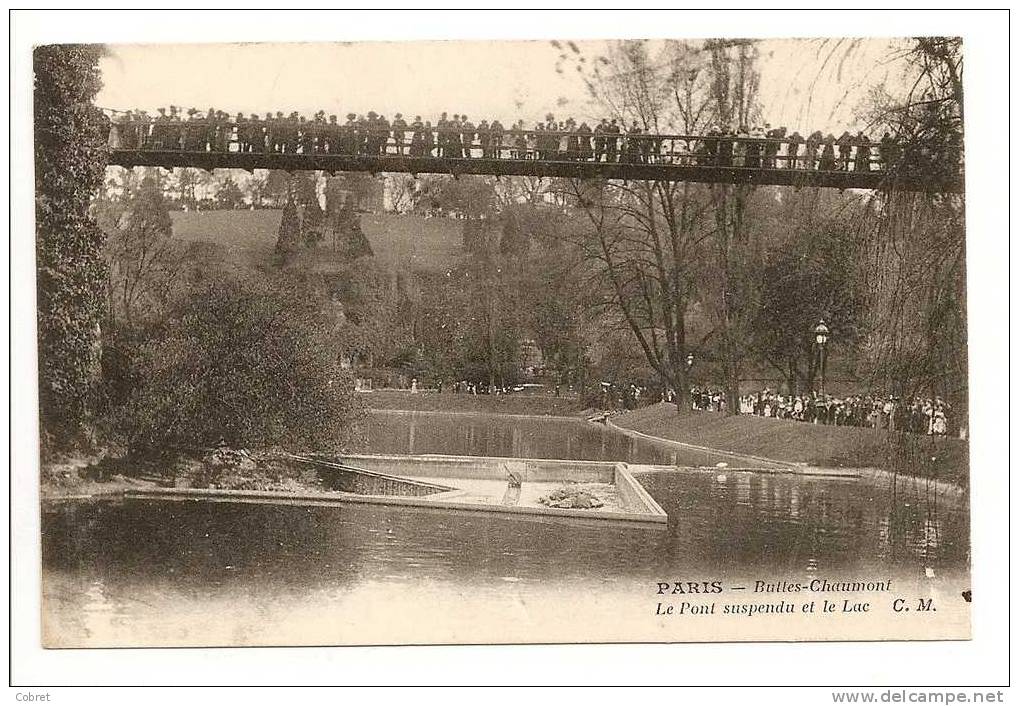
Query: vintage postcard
460,342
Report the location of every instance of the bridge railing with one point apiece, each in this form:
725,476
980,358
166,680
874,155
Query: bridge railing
320,139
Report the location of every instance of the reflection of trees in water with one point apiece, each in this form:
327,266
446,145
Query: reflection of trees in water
807,523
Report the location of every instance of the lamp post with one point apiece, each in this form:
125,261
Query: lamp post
821,337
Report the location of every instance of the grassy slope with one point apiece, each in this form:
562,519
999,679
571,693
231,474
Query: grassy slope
448,402
785,440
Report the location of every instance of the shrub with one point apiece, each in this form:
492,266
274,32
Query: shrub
251,363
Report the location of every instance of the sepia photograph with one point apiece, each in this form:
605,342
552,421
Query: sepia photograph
502,342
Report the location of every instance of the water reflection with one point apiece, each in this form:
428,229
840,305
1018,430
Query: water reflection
525,437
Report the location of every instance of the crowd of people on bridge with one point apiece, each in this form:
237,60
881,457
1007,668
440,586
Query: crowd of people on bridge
457,137
919,415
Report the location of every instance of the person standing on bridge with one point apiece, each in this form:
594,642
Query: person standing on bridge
242,132
226,131
122,137
210,130
194,131
754,147
497,132
332,135
417,138
584,151
725,145
600,131
383,132
274,132
442,140
862,153
256,134
828,162
631,149
485,139
707,149
740,146
771,146
456,145
466,136
428,140
792,149
158,130
518,140
176,128
348,135
365,133
612,141
813,143
888,153
565,140
845,143
536,142
399,133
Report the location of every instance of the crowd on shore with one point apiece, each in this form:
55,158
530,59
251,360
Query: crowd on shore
919,415
607,140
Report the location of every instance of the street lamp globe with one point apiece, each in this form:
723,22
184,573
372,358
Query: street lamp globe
821,333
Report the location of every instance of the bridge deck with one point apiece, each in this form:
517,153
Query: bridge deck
638,171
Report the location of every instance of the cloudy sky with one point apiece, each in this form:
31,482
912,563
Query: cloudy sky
482,79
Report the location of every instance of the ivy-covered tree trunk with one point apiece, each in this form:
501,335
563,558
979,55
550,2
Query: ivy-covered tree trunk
70,161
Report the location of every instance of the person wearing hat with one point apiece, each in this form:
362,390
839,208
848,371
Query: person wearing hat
466,136
399,132
599,139
367,141
224,131
454,146
584,151
255,137
319,130
241,126
209,130
485,139
348,135
417,138
497,132
332,135
771,147
845,147
305,139
293,128
612,143
792,150
428,139
381,136
157,134
862,153
192,131
440,137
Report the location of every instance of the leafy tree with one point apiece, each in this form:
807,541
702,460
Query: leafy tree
143,259
229,195
250,362
70,158
186,183
811,271
644,241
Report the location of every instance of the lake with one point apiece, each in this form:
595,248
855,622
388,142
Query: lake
160,572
